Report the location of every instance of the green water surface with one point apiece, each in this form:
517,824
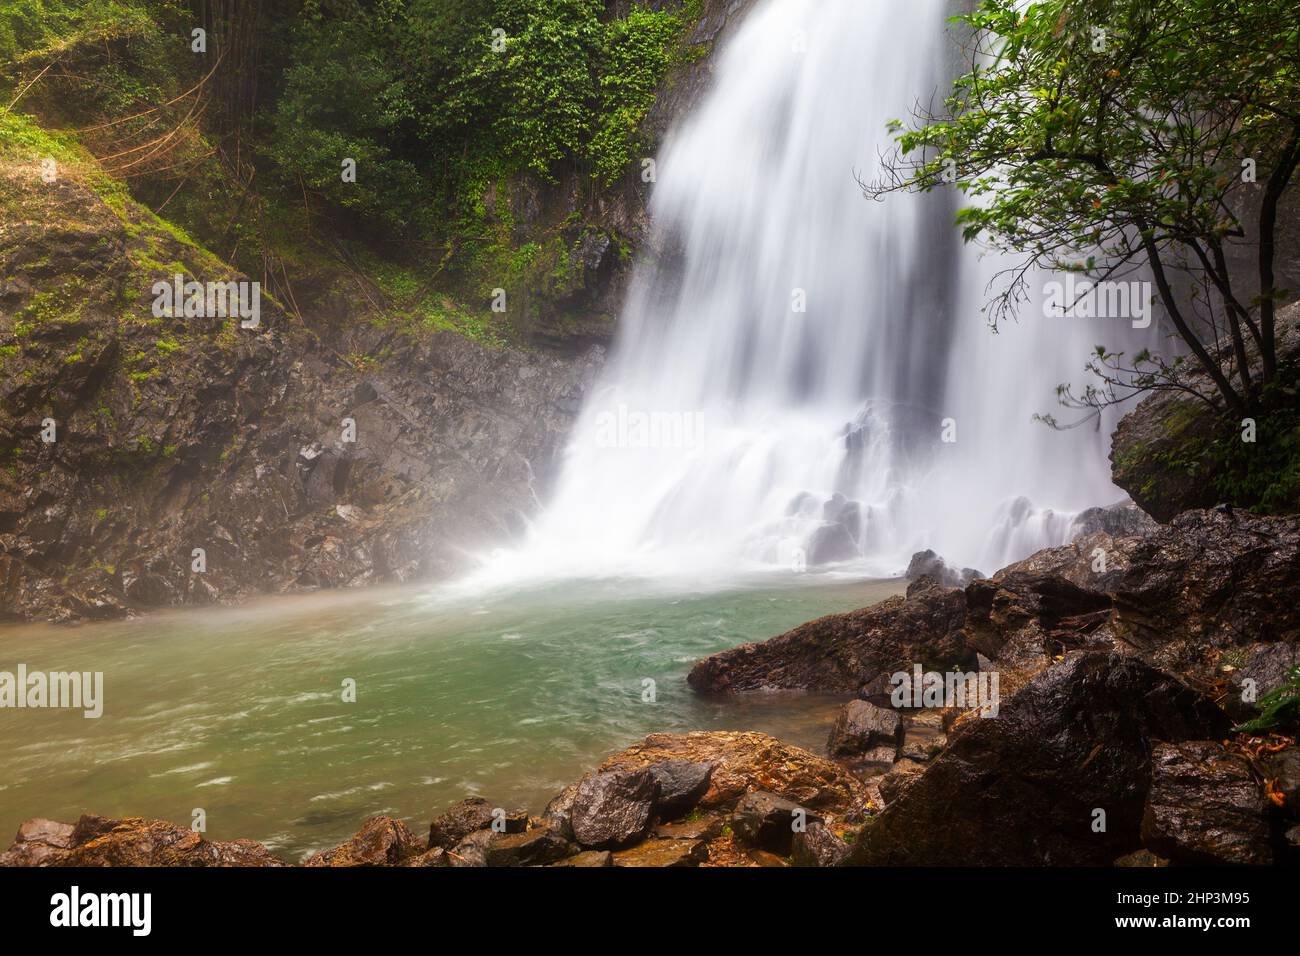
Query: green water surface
510,696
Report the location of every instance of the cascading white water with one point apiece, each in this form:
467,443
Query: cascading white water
791,353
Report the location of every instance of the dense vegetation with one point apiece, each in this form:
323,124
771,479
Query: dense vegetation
444,106
1101,137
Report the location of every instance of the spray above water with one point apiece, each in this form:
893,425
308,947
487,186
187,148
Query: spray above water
803,377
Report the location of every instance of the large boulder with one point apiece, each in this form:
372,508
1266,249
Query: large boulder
1024,788
613,808
1204,807
128,841
381,841
841,652
1211,578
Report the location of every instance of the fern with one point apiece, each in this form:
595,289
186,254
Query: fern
1280,705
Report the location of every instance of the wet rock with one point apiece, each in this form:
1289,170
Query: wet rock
923,736
1120,520
1292,839
831,543
536,847
704,827
768,821
927,564
435,857
1022,788
613,808
233,440
901,776
744,761
682,783
558,814
472,851
381,841
128,841
587,858
1157,448
1283,771
1141,858
460,821
817,846
1265,668
1204,807
662,853
1211,578
863,730
840,653
765,858
37,841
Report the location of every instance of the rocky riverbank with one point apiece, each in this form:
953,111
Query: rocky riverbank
1124,667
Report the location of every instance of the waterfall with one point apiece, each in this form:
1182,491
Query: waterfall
792,356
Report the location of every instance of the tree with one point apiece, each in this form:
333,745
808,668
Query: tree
1104,137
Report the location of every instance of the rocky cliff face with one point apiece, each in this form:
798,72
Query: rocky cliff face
1173,452
1121,664
194,461
172,434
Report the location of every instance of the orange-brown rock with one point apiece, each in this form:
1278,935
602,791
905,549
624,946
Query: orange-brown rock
129,841
744,761
381,841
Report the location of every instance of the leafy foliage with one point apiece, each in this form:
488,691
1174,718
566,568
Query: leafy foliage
438,99
1279,707
1103,136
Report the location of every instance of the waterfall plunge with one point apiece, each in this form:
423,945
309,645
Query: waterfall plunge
731,430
